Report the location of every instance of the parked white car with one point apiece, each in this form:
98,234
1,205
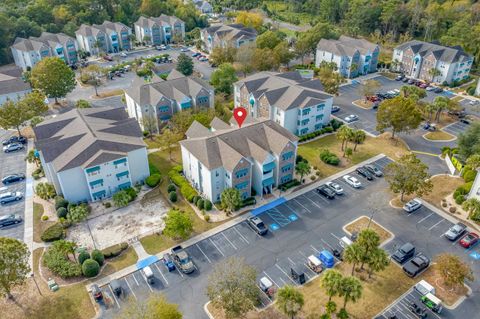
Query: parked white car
352,181
412,205
351,118
335,187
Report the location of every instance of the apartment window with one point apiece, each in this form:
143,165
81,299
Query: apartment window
320,107
96,184
286,178
306,111
318,126
287,155
164,109
241,185
287,168
92,171
241,173
305,122
217,174
119,162
319,117
122,175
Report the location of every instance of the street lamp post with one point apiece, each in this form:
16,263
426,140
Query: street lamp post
36,284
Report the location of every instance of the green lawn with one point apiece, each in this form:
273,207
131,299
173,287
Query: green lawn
38,225
127,257
152,142
282,9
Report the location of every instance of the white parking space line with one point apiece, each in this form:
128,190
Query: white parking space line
241,236
335,236
221,252
129,287
321,197
158,268
203,253
291,261
436,224
296,201
313,202
271,279
229,240
284,283
135,279
178,270
146,281
285,273
330,246
113,295
315,249
293,210
424,218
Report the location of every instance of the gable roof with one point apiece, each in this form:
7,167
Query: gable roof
86,137
162,20
234,31
284,90
45,39
441,52
346,46
11,80
106,27
228,146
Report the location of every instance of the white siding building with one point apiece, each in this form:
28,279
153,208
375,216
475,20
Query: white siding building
159,30
107,37
89,154
234,35
259,156
295,103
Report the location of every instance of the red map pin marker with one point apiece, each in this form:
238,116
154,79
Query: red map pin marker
239,114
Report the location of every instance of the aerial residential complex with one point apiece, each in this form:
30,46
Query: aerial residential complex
419,60
160,30
353,57
12,86
258,156
295,103
89,154
106,37
28,52
234,35
160,99
203,6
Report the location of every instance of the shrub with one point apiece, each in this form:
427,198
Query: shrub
452,209
78,213
207,218
60,202
114,251
90,268
84,255
45,191
153,180
318,173
207,205
44,217
249,201
82,104
459,199
132,193
469,176
54,232
172,196
200,204
62,212
108,205
329,158
471,90
171,188
299,159
195,199
444,204
98,256
121,198
289,184
55,260
313,177
334,125
186,189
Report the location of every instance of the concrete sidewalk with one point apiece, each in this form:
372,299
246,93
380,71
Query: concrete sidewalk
130,269
28,214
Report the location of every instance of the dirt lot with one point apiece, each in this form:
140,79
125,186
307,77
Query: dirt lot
362,223
448,295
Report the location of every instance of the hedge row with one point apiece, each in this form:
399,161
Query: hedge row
153,180
329,158
54,232
186,189
289,184
114,251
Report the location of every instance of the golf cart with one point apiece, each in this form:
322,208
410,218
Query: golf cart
267,287
420,312
314,264
432,302
297,275
168,262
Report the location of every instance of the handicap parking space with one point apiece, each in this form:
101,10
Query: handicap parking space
456,128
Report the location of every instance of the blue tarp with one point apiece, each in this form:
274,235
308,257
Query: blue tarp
146,262
264,208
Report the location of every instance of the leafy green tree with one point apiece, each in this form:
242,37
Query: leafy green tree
78,213
331,281
31,158
303,168
412,92
185,64
232,287
442,103
16,114
472,206
407,176
369,88
223,78
92,74
244,58
398,114
169,139
282,54
149,123
469,141
434,72
351,290
178,225
53,77
121,198
354,254
156,306
66,247
36,120
231,199
263,60
249,19
330,80
222,55
268,39
453,269
474,161
13,264
290,300
377,261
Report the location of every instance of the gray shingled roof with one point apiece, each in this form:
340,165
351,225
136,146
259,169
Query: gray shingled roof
232,31
85,137
284,90
217,124
11,81
105,27
442,53
227,147
145,22
45,39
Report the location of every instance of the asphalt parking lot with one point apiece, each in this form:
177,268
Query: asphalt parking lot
12,163
456,128
299,227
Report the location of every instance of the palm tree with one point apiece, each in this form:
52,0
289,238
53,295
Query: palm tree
302,169
358,137
353,254
289,300
378,261
472,206
351,290
369,240
32,158
433,72
474,161
331,280
343,134
67,247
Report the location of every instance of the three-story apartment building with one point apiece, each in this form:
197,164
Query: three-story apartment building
258,156
159,30
107,37
432,62
295,103
89,154
234,35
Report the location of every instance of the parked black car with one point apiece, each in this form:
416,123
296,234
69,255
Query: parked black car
11,219
438,90
13,178
415,266
365,173
14,139
404,253
326,191
257,225
374,170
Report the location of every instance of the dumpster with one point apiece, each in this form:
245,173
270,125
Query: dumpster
326,258
297,275
314,264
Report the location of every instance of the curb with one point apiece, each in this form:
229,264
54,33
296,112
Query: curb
205,308
392,235
439,141
460,300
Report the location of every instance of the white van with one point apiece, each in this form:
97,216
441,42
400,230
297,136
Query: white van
345,242
147,271
424,288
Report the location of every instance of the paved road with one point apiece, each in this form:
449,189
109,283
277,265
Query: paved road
300,227
12,163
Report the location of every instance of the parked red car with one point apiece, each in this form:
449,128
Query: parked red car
423,85
107,58
469,240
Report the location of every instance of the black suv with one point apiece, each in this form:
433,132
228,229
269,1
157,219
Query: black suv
374,170
365,173
257,225
404,253
14,139
326,191
11,219
415,266
13,178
